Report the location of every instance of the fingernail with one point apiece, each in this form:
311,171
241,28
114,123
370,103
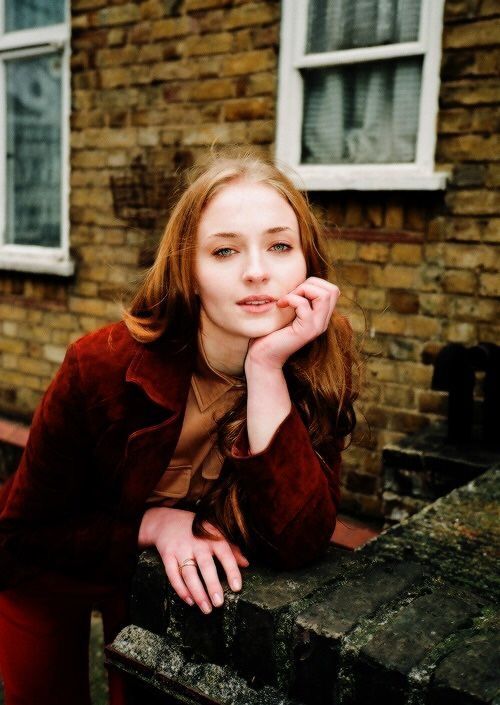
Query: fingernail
217,599
236,584
189,601
206,607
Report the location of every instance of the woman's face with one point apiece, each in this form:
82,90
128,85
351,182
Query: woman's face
247,245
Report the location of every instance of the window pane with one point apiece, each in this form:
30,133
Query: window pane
22,14
348,24
34,150
362,114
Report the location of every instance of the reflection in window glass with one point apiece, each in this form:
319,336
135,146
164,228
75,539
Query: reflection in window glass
23,14
34,150
362,114
348,24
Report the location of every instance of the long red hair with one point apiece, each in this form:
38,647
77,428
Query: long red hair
319,375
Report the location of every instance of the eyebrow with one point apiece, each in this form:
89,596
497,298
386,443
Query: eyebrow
277,229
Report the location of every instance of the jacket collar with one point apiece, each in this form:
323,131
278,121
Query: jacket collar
163,371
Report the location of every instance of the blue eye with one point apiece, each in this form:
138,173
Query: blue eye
217,253
283,244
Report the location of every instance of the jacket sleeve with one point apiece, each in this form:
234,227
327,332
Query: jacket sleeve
47,516
291,493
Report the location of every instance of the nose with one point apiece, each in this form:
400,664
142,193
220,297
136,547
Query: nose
255,268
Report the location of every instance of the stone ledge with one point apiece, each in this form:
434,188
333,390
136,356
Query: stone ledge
389,621
165,668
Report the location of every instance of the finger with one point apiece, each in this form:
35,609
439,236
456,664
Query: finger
176,580
318,295
195,586
208,570
228,562
322,301
328,286
303,310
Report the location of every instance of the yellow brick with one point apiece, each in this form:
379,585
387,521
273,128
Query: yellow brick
406,253
12,313
54,353
248,109
107,138
10,329
216,89
171,71
251,14
115,77
123,14
261,131
388,323
423,326
460,332
62,337
192,5
116,57
9,345
394,216
420,375
261,83
341,250
218,134
488,333
87,306
221,43
393,276
152,9
471,256
33,366
374,252
473,202
492,230
20,380
473,34
249,62
459,282
172,27
489,284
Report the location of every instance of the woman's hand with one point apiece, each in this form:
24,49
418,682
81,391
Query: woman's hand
314,301
170,530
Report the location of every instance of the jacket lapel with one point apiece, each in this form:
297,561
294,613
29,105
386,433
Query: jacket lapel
164,375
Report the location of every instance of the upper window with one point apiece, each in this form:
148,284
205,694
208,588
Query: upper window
358,93
34,117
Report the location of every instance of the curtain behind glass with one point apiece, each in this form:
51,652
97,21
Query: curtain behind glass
363,113
34,150
23,14
347,24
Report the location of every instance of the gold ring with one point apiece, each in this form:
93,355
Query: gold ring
188,561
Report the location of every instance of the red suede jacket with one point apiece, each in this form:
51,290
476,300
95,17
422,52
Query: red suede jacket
100,440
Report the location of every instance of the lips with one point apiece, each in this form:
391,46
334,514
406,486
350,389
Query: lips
258,299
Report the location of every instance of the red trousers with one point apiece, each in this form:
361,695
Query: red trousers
44,639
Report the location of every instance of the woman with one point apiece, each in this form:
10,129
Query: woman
208,423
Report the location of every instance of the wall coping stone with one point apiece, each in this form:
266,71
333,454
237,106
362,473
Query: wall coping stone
410,617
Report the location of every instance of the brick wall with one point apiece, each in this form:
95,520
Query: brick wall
161,79
424,266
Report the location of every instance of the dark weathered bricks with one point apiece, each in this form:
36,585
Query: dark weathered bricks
320,630
382,667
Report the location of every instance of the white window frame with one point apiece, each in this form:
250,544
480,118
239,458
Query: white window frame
25,43
418,175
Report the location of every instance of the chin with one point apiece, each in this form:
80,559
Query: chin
257,329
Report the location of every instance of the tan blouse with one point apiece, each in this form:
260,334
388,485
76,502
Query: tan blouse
197,462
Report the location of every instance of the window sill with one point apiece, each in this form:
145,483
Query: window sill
39,264
367,178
